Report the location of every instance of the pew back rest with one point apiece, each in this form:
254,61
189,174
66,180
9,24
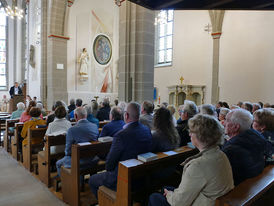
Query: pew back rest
36,135
87,151
130,169
249,191
55,140
10,123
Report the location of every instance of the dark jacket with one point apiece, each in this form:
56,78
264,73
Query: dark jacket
103,113
269,136
112,128
160,142
12,91
183,132
127,144
246,155
71,107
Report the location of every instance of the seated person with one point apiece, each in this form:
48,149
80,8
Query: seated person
103,113
134,139
35,120
25,116
207,175
246,147
71,106
83,131
222,115
208,109
60,125
78,104
164,135
188,111
40,106
20,109
264,123
180,109
172,110
90,116
146,117
116,123
255,107
247,106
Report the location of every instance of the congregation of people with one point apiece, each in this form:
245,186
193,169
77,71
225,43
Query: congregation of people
235,142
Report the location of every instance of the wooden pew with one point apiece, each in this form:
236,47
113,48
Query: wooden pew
70,177
2,129
15,140
132,169
103,123
29,159
44,157
8,133
258,190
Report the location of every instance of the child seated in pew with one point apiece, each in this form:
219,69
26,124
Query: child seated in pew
207,175
35,120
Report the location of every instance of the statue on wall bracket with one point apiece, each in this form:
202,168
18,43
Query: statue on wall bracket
32,56
83,61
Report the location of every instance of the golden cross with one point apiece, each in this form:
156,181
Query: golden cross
181,79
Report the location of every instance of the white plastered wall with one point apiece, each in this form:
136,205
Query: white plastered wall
192,54
87,19
247,57
246,67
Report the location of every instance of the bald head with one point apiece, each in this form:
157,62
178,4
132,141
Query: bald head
132,112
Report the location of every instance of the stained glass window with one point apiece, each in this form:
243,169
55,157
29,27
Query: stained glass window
3,50
163,37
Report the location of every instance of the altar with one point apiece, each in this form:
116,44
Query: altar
179,93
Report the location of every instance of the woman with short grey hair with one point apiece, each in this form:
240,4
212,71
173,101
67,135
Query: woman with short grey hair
207,175
20,109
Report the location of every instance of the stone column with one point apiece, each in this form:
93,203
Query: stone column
216,17
56,78
54,53
136,51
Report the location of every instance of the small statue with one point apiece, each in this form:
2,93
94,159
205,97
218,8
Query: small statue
83,61
32,56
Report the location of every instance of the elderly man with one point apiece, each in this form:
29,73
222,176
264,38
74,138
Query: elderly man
83,131
134,139
188,110
146,117
116,123
245,149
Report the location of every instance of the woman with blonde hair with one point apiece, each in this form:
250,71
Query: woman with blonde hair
207,175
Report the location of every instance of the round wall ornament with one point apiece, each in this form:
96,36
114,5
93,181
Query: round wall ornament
102,49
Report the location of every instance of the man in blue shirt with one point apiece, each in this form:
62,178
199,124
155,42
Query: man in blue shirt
83,131
116,123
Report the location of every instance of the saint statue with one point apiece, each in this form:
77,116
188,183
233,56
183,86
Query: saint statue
83,61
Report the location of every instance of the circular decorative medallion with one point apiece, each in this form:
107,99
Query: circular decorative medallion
102,49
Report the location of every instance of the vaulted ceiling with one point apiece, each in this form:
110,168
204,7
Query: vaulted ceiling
207,4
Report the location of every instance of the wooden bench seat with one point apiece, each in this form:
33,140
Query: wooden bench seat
45,157
36,134
8,133
70,177
258,190
15,140
132,169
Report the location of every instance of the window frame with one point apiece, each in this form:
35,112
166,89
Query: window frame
157,41
5,88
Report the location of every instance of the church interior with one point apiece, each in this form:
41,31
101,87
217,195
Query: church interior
196,76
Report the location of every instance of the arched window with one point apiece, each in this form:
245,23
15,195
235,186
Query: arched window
3,49
163,38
